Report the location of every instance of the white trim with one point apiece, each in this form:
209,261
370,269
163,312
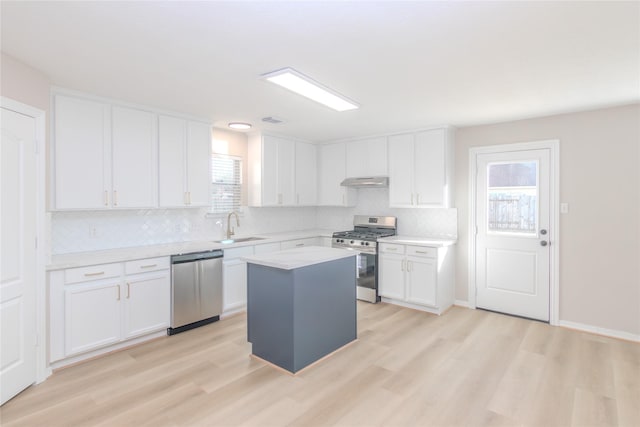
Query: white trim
42,369
599,331
109,349
554,210
461,303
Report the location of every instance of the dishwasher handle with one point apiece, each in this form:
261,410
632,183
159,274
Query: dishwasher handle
196,256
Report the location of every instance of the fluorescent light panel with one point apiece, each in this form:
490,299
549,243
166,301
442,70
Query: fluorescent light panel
307,87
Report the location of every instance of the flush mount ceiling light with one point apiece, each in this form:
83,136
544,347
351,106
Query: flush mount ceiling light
297,82
239,126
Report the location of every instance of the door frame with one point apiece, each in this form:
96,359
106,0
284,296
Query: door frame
554,220
42,368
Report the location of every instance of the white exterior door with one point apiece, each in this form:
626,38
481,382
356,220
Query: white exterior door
18,254
512,243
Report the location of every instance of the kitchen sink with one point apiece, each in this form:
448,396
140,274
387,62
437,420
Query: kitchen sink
239,240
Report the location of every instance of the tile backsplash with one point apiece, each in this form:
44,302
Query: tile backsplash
98,230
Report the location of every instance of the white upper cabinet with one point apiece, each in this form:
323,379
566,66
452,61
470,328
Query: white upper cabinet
81,153
332,171
306,181
134,158
367,157
281,172
105,157
421,169
184,158
108,156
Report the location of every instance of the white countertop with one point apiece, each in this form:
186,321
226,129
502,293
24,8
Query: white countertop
81,259
299,257
418,241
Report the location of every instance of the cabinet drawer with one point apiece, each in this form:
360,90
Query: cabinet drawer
94,272
237,252
391,248
267,248
299,243
145,265
422,251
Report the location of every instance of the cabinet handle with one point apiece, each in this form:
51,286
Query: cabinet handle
421,252
128,290
409,266
118,293
279,198
99,273
390,249
188,197
402,265
149,266
299,245
184,198
417,198
115,198
297,198
105,198
343,199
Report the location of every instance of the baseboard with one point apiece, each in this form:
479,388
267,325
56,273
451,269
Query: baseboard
599,331
461,303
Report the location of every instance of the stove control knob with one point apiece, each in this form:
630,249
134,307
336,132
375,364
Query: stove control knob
367,243
361,243
351,242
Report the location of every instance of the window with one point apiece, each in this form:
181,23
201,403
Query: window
226,183
512,197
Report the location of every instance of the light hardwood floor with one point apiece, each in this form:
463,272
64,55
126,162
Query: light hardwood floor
408,368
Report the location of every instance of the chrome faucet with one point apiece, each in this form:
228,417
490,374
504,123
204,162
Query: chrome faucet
230,231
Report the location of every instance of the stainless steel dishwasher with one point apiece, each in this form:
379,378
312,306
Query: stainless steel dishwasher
196,290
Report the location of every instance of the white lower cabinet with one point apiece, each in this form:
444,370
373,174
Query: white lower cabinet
91,315
409,275
299,243
94,307
148,302
234,279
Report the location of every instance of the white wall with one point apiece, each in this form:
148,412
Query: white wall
600,236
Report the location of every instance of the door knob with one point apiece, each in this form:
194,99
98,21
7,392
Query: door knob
544,243
543,232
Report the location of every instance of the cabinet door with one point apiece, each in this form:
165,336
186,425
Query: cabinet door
234,279
198,163
421,280
367,157
147,300
81,153
286,172
269,179
172,161
391,276
134,152
306,174
92,315
430,166
332,173
401,170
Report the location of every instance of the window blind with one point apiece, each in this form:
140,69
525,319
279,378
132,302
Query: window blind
226,179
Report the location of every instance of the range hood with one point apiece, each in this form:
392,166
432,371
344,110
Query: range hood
366,182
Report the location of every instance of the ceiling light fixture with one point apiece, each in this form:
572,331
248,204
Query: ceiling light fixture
239,126
307,87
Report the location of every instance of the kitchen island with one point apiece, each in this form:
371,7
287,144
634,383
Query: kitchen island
301,304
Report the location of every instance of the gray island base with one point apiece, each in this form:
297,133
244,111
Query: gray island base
301,305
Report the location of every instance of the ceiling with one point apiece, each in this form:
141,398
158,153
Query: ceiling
409,64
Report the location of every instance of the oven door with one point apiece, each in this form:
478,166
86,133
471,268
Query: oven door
367,288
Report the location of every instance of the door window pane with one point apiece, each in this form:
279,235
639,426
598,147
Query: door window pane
512,197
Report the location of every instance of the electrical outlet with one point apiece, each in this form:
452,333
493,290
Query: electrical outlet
93,232
564,208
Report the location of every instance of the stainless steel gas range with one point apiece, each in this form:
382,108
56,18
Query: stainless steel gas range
364,238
